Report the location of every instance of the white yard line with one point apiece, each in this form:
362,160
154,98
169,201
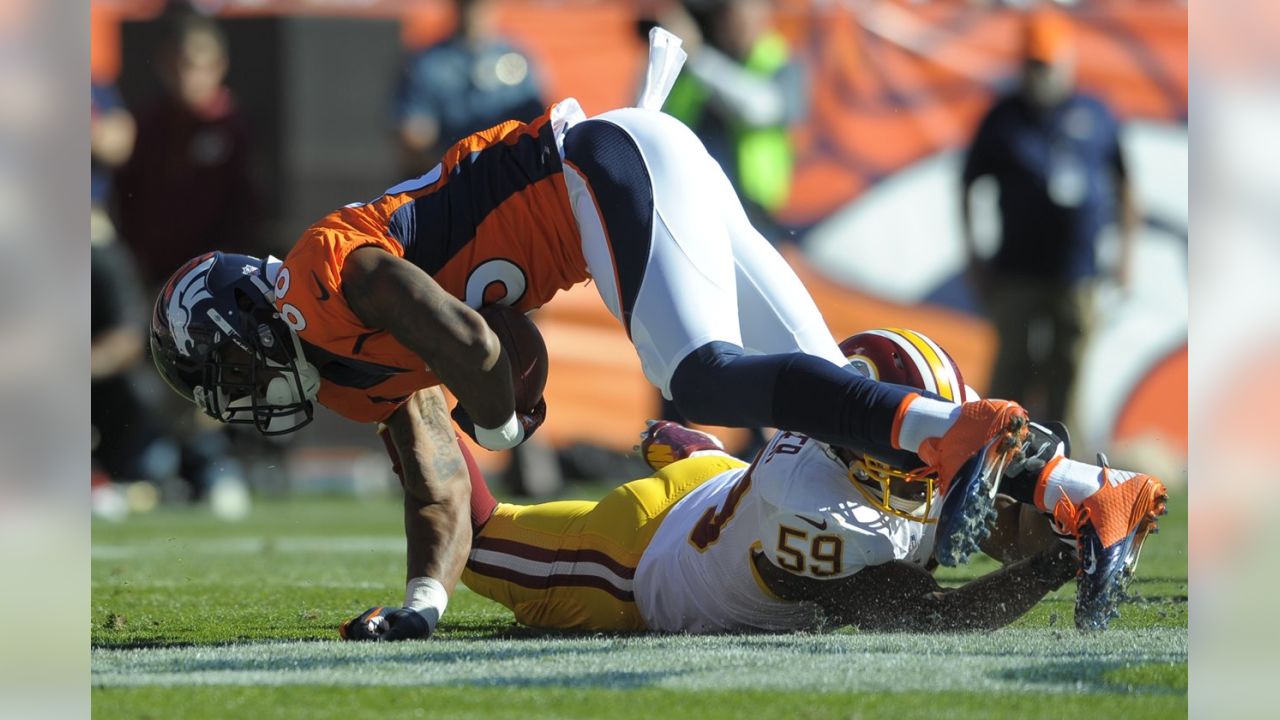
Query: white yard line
250,546
222,582
1009,660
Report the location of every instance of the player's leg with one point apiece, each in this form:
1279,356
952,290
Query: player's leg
1108,513
777,313
648,201
526,554
660,264
571,564
650,205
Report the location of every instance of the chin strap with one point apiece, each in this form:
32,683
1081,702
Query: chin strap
308,375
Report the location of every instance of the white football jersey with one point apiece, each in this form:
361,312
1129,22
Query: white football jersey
795,504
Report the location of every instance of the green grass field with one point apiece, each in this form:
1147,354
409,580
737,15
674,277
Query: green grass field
195,618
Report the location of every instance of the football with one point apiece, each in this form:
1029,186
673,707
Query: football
526,351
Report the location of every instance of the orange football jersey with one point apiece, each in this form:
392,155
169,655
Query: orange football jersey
491,223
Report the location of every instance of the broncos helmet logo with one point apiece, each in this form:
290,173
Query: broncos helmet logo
187,291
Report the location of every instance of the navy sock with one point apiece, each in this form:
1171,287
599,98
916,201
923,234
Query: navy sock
718,385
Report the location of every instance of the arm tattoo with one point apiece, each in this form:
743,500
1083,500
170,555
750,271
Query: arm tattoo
434,414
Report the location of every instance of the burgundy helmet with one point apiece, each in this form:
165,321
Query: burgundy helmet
907,357
895,483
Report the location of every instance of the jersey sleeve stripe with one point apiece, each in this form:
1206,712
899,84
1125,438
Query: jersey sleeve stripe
348,372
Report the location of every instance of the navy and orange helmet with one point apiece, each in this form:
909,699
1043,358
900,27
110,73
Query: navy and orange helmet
217,340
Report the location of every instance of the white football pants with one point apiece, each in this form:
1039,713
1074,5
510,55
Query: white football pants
672,252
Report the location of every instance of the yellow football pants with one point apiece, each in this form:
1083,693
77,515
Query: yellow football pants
570,564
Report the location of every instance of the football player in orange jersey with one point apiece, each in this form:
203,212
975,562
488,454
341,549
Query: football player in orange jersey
375,307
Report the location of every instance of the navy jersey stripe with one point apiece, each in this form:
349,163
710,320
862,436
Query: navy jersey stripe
345,371
612,165
436,226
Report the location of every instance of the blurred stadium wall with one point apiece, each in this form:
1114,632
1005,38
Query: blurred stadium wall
897,89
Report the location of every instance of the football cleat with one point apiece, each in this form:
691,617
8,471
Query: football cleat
665,442
969,459
1110,527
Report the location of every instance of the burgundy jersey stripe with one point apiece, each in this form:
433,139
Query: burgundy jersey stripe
543,582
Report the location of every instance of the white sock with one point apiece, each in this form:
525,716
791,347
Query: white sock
1077,481
926,418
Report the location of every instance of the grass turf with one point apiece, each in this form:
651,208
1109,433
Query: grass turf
195,618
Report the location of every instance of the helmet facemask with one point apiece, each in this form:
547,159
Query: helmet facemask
903,357
908,495
258,375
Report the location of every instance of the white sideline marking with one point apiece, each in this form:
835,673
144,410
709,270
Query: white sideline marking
251,546
222,582
1008,660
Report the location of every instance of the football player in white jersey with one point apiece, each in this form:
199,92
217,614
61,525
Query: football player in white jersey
807,536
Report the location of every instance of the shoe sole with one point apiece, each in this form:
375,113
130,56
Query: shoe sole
1107,605
969,509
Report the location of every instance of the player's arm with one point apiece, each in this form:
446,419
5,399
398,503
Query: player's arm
903,597
437,495
437,489
387,292
1020,531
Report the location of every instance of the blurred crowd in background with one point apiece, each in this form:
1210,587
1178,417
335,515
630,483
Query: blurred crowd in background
1009,178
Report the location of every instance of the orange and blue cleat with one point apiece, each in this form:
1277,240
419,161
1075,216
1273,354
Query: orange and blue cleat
1110,527
969,460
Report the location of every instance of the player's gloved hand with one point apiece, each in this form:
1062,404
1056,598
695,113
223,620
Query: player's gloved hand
368,625
665,442
381,623
529,421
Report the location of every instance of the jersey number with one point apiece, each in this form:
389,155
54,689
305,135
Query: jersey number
292,316
822,558
786,443
708,528
502,272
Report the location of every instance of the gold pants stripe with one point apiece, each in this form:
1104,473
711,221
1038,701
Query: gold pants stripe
569,564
